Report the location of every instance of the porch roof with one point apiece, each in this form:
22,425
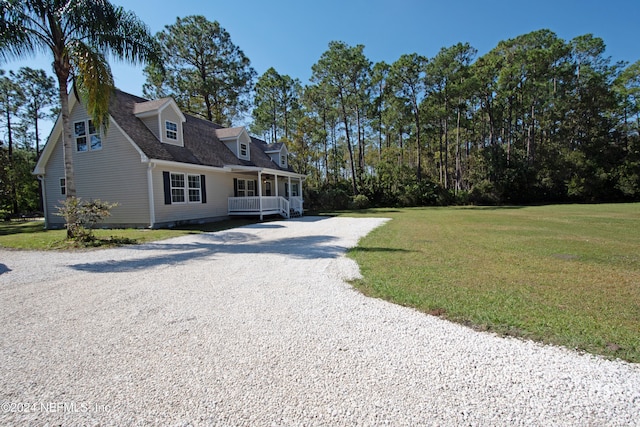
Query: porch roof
269,171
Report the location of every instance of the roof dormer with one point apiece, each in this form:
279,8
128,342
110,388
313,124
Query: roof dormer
237,140
163,118
279,154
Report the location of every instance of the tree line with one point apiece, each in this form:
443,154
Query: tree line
27,97
535,120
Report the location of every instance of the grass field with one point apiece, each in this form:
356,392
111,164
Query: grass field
567,275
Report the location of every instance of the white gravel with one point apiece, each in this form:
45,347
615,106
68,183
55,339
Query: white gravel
256,326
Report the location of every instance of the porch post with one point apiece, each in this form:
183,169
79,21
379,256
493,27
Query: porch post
276,185
260,193
289,182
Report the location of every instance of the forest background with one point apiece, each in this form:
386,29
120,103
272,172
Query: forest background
535,119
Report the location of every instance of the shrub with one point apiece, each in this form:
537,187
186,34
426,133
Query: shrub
360,202
81,216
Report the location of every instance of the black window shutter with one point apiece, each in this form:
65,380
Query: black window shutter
203,189
235,187
166,178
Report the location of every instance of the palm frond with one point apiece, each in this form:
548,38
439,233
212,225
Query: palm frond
17,38
93,80
111,30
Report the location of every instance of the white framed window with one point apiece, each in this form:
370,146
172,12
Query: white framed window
242,188
171,130
283,160
246,188
63,186
185,188
195,189
244,150
177,188
87,136
295,189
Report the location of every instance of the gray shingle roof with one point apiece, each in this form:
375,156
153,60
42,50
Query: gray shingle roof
143,107
273,147
229,132
202,145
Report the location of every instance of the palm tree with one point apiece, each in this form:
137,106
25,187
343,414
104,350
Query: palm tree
80,34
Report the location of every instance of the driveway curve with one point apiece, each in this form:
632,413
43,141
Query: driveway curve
257,326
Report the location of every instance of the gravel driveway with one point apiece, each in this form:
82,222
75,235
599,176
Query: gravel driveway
256,326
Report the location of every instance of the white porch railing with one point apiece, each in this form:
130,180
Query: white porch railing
296,206
270,205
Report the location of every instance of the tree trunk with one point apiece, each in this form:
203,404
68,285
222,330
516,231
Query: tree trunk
418,142
458,154
62,72
12,178
349,147
446,151
441,159
326,147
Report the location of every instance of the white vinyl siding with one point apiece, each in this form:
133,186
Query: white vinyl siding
113,174
152,125
219,187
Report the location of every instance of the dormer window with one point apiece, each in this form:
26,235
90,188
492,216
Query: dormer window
171,130
237,140
163,118
283,160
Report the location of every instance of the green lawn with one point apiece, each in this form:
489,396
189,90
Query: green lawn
31,235
567,275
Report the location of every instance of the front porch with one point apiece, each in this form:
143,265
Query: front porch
266,205
263,196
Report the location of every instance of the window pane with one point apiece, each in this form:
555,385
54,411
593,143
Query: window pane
79,129
171,130
96,142
177,180
194,181
177,195
243,150
63,186
81,143
251,185
241,184
92,128
194,195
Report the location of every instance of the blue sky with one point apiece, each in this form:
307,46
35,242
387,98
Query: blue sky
291,35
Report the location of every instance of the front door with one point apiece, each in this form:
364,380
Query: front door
267,188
